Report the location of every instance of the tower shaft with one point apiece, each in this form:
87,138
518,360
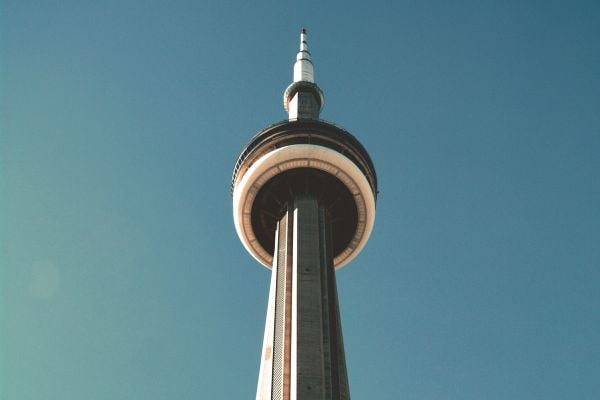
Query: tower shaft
303,353
326,182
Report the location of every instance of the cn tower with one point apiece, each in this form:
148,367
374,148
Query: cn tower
304,195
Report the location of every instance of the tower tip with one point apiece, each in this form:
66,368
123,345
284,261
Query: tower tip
303,30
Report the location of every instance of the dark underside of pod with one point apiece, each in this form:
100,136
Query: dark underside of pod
279,191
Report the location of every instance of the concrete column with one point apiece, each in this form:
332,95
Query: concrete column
303,355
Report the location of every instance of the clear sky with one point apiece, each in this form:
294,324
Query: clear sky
121,275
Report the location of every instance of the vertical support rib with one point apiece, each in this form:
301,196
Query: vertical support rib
310,362
274,377
303,356
265,376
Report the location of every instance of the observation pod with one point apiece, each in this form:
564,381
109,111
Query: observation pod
297,157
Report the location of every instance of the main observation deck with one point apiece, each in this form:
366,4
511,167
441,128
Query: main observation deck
303,156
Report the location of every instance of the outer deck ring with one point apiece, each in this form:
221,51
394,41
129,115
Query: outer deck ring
303,156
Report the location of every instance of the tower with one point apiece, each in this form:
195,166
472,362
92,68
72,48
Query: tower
304,195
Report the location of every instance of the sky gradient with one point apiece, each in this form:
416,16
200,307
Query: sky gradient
122,277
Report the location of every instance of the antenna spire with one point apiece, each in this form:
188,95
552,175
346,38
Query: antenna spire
303,68
303,86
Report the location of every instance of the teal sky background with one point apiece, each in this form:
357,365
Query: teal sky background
121,274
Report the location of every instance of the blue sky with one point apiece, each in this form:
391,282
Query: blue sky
121,275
